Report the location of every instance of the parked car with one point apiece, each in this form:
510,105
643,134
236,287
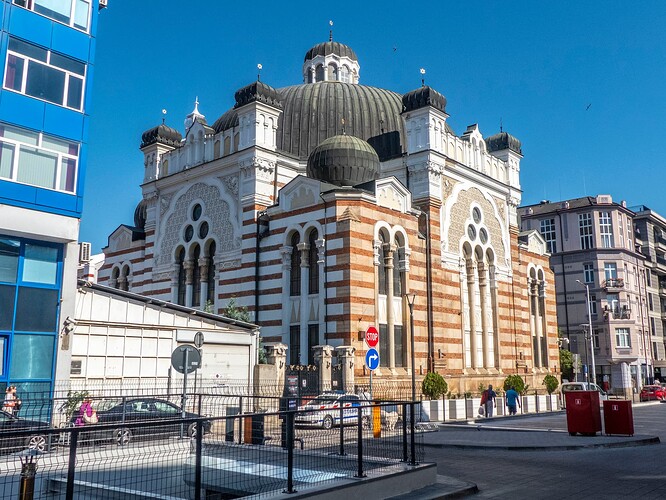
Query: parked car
324,410
653,392
9,423
154,412
581,386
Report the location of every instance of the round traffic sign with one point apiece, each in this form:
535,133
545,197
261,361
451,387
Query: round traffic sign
371,336
186,355
372,359
199,339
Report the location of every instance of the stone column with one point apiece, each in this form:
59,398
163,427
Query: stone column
174,283
323,357
471,298
541,330
189,279
483,284
347,359
534,292
276,355
203,278
390,320
304,248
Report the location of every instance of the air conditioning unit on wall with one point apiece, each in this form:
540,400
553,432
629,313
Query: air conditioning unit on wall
84,252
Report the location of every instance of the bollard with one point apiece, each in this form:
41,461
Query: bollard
359,423
342,432
28,472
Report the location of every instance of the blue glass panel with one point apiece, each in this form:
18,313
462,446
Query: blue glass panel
40,264
36,310
7,296
9,255
36,400
3,353
32,357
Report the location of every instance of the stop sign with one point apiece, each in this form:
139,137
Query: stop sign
371,336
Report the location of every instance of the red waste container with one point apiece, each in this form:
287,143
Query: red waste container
618,417
583,412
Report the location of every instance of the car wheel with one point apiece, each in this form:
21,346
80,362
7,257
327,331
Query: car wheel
122,436
327,423
365,422
39,442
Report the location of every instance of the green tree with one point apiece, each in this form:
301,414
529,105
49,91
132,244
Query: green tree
567,364
242,314
515,381
434,386
551,383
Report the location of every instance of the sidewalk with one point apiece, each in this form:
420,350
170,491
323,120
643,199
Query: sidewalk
518,433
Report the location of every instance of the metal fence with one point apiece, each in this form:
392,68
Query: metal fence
223,456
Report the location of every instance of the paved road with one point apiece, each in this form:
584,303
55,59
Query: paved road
635,472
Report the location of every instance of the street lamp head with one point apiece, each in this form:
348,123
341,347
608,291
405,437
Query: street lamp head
411,297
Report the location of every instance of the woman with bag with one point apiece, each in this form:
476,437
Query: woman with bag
87,415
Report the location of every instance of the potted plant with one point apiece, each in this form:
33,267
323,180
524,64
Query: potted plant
433,388
551,383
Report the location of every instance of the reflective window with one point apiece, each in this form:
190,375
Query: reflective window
3,344
75,13
38,159
36,310
40,264
7,295
9,256
43,74
32,356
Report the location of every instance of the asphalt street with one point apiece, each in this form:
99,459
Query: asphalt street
628,472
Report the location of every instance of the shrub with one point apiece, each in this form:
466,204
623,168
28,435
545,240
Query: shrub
551,383
434,385
515,381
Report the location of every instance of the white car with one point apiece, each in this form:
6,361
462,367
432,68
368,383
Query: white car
581,386
324,410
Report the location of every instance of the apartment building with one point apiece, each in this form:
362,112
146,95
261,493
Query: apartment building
594,252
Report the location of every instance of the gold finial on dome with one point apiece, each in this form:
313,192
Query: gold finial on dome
422,77
330,32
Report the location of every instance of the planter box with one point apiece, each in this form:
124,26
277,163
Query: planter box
432,411
529,404
543,403
473,408
456,409
554,402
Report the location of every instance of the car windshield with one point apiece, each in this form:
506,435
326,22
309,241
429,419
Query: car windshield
322,400
106,404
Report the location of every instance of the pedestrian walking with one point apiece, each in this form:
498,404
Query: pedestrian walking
512,400
489,398
87,414
12,403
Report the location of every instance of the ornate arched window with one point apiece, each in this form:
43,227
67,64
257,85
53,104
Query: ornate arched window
124,281
313,264
211,272
319,73
295,274
227,146
196,277
115,274
180,260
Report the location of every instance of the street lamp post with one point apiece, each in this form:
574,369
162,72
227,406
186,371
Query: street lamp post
589,326
411,336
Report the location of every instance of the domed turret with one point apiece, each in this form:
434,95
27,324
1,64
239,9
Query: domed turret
330,62
257,92
502,141
140,214
422,97
161,135
343,160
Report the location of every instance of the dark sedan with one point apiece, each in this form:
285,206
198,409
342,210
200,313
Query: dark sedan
10,423
154,412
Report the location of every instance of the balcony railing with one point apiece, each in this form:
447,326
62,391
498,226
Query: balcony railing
613,283
618,312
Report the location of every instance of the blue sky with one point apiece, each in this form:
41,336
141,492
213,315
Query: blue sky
581,84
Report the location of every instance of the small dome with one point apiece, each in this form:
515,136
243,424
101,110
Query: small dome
328,48
343,160
140,213
259,92
422,97
502,141
161,135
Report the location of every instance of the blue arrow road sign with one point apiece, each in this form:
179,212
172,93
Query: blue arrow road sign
372,359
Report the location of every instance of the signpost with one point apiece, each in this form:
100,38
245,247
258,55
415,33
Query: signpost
185,359
372,356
